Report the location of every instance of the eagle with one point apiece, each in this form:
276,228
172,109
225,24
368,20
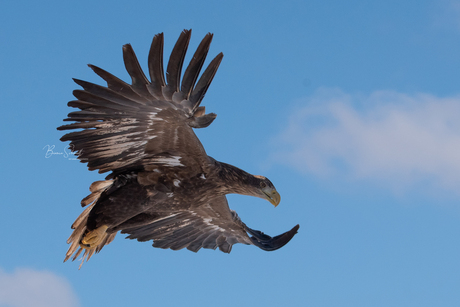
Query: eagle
162,185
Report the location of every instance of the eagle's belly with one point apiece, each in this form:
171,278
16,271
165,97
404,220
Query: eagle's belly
135,204
116,206
184,195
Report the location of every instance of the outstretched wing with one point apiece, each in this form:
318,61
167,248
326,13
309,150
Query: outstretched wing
211,226
128,126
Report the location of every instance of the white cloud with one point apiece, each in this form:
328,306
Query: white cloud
389,137
30,288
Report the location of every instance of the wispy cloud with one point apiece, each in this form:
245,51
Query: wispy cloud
390,137
30,288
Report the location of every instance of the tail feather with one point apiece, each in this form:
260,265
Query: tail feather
96,189
79,225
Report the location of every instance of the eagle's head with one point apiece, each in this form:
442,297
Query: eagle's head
266,190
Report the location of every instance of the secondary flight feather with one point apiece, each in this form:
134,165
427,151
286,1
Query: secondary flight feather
162,185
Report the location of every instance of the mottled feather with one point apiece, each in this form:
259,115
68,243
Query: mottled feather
162,186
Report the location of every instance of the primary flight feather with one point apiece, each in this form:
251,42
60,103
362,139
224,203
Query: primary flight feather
162,186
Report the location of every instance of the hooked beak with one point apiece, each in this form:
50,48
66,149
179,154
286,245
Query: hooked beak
272,196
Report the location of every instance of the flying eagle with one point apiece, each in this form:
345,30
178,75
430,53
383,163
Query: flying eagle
162,186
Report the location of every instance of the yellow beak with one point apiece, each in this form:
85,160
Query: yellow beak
272,196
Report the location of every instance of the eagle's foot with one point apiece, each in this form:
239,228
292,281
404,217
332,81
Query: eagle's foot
94,237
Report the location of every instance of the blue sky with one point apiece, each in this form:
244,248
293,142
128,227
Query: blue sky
351,108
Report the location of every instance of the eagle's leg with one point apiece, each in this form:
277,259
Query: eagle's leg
94,237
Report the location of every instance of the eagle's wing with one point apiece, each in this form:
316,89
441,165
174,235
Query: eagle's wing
126,127
211,226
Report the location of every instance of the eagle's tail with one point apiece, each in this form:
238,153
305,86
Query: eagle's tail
79,225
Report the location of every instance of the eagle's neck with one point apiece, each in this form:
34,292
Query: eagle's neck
236,181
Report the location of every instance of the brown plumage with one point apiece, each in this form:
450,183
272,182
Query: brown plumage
162,186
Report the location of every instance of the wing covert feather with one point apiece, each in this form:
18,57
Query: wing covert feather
210,226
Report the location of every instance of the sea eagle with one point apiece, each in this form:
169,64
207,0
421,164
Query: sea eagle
162,186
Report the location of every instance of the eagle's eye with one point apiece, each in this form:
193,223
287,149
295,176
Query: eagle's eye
262,184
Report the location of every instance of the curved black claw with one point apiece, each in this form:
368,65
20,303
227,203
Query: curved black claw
268,243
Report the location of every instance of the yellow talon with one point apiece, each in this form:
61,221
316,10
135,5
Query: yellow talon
94,237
